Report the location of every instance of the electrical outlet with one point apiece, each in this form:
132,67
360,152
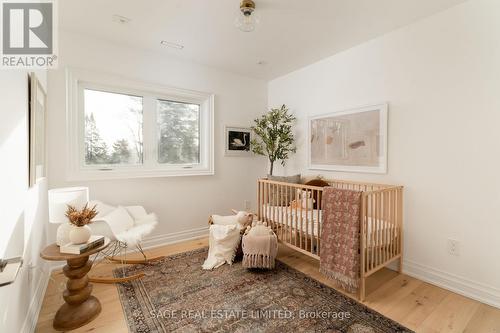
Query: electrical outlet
453,247
247,204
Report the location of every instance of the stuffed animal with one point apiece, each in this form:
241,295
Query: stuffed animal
244,218
304,200
258,229
241,218
295,204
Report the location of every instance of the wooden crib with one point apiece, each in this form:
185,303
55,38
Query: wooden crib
298,227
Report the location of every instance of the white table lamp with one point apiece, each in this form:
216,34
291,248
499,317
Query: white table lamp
59,199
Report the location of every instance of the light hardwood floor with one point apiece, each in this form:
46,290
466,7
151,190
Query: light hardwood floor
411,302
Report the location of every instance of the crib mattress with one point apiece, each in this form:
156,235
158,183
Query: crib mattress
312,218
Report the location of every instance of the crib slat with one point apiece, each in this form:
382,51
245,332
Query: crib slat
372,240
400,225
290,213
363,234
379,248
379,227
386,226
269,202
279,226
264,202
320,223
275,202
376,230
279,208
393,224
301,212
258,199
295,219
372,244
398,248
387,243
305,223
390,224
284,212
397,224
308,239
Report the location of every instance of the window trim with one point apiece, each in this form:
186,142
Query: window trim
78,80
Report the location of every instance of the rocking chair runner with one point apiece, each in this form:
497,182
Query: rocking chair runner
125,227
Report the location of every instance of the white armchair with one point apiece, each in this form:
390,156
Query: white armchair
126,227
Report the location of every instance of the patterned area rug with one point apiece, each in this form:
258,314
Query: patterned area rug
176,295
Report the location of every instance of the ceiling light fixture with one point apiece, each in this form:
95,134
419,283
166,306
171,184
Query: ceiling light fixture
247,19
172,45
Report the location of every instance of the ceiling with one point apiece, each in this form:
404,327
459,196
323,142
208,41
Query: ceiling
291,33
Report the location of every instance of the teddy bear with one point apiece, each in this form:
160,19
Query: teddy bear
304,200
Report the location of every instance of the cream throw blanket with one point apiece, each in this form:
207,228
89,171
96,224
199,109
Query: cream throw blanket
223,242
259,251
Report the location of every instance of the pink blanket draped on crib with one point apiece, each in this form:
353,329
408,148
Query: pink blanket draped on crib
339,253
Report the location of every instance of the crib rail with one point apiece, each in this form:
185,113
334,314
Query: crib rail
294,212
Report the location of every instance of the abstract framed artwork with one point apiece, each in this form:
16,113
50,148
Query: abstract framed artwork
352,140
37,129
237,141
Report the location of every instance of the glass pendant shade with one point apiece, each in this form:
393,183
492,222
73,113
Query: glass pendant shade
247,21
247,18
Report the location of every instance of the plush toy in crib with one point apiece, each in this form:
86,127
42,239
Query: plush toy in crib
304,200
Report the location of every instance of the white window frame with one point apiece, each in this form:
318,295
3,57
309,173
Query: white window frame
78,80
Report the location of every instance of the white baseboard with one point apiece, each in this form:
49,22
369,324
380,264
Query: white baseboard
175,237
477,291
35,306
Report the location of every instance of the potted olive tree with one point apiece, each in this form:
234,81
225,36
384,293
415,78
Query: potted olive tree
274,136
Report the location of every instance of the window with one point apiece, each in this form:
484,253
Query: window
179,132
120,129
113,128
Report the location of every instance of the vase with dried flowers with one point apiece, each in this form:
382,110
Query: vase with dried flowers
79,220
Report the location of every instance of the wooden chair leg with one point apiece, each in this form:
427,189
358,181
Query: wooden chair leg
116,280
135,261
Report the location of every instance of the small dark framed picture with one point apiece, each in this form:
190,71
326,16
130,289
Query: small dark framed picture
237,141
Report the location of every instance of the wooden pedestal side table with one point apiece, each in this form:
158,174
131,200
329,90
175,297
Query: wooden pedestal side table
80,307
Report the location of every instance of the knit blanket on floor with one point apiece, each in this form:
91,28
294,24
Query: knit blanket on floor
339,249
259,251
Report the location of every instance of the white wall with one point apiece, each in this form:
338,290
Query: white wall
23,210
441,77
182,203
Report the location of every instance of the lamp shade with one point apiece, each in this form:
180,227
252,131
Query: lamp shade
60,198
